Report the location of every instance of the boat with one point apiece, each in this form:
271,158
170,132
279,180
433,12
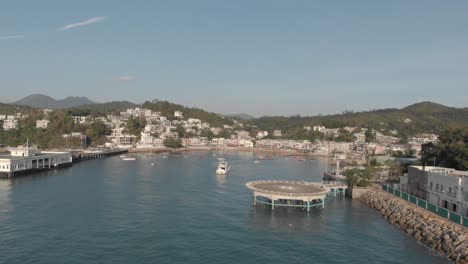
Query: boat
152,163
223,166
123,156
129,158
256,161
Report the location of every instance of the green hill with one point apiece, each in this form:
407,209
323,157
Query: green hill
8,109
102,109
167,109
416,118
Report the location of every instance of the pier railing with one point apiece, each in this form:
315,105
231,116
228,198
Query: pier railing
443,212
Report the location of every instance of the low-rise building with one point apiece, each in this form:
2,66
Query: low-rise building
178,114
445,187
119,138
277,133
43,123
10,124
28,158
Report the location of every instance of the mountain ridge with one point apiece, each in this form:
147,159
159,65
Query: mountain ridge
45,101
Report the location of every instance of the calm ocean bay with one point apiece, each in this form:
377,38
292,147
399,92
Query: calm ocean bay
180,211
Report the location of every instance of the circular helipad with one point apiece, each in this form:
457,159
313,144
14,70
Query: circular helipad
287,188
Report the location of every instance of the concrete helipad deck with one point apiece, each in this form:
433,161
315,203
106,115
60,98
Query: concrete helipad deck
288,193
287,188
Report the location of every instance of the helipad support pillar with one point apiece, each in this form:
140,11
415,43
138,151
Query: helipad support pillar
323,203
308,205
255,199
272,204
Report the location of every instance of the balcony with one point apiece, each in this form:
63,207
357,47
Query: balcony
452,195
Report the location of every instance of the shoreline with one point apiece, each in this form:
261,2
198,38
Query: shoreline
276,152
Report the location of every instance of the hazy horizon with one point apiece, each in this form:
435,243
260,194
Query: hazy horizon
254,57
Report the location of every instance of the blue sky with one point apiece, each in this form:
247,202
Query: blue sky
266,57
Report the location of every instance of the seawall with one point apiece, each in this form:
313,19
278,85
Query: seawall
441,235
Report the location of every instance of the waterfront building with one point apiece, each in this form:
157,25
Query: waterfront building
43,123
445,187
28,158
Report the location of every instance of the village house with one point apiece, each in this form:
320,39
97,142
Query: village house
277,133
178,114
43,123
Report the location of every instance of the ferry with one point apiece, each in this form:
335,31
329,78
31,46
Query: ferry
223,166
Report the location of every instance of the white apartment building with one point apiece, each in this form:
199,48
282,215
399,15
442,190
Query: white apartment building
119,138
10,124
43,123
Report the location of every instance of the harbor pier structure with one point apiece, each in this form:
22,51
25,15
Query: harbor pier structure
28,159
293,193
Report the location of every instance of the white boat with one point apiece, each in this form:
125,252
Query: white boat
223,166
123,156
152,163
256,161
128,158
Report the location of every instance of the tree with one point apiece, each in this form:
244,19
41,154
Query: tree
172,142
207,133
453,149
358,177
429,153
395,170
370,135
135,125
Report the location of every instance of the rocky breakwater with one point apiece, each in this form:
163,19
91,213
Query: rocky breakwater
432,230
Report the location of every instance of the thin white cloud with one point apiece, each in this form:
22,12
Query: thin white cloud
12,37
126,78
86,22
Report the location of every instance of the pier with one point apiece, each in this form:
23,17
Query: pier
29,160
78,156
294,193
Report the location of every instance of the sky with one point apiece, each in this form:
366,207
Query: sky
261,57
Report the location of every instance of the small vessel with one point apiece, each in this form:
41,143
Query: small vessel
132,158
223,166
256,161
152,163
123,156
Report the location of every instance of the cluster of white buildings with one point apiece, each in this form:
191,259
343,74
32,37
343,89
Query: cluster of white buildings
445,187
11,121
